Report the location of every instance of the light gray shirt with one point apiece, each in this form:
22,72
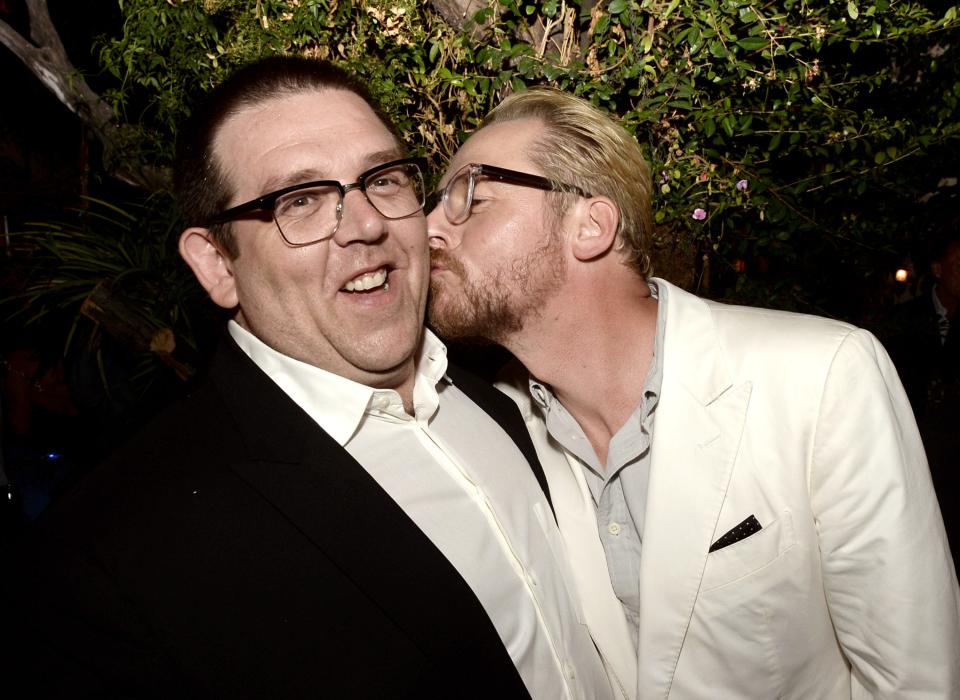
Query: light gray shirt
619,487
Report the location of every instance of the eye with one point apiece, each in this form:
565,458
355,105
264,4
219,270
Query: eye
303,202
389,181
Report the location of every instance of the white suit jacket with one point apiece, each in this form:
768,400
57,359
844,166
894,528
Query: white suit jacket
847,591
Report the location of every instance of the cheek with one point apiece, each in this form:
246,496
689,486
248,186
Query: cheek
283,275
510,238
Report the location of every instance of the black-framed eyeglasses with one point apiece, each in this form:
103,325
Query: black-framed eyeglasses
457,196
311,212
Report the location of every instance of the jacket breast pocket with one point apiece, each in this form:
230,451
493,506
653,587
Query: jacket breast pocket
749,555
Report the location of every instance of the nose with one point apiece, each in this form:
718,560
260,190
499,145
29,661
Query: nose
440,232
359,220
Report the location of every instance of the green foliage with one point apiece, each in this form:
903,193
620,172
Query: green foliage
795,143
832,115
129,255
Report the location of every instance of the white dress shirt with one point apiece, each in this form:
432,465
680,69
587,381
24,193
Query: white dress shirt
467,486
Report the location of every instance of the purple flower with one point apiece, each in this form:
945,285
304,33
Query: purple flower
742,185
699,214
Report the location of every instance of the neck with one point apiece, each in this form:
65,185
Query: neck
578,346
405,389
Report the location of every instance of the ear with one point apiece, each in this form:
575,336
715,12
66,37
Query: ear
211,267
596,232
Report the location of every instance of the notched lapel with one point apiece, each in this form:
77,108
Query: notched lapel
689,476
329,497
696,437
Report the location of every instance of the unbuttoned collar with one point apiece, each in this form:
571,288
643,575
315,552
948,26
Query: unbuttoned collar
337,404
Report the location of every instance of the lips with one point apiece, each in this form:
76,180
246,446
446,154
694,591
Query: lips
368,281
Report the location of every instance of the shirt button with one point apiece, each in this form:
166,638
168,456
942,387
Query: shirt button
614,529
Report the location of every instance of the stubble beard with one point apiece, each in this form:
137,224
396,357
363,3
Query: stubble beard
491,309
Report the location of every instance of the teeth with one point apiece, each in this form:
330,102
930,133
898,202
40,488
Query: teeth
367,281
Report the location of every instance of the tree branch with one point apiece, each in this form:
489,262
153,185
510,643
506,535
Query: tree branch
45,56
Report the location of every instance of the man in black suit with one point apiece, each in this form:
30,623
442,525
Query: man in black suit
334,512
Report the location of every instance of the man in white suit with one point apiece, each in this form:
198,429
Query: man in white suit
743,492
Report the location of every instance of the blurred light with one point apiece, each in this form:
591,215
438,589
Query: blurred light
901,275
740,265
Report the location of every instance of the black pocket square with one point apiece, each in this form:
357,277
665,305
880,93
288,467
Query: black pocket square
740,532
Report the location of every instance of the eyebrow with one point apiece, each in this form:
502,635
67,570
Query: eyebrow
310,174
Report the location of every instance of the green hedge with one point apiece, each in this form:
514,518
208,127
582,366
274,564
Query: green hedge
792,141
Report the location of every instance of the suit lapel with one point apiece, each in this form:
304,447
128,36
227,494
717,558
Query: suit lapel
696,435
337,505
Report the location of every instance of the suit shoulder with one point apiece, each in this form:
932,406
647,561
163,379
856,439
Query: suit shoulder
775,330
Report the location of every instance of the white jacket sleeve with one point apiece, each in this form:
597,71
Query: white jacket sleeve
887,571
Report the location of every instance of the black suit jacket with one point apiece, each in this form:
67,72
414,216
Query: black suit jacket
235,550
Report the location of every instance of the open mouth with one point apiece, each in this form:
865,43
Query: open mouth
368,282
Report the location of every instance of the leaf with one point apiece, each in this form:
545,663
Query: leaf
718,49
752,43
617,6
553,72
852,9
727,123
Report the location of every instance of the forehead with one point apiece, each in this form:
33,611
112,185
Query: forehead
504,144
329,133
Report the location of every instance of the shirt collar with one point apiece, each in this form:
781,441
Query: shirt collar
335,403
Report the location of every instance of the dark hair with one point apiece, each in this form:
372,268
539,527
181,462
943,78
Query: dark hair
201,187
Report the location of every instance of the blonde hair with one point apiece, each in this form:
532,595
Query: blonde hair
582,146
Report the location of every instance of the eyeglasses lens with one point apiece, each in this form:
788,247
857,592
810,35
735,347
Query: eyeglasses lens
308,214
396,191
458,197
311,214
